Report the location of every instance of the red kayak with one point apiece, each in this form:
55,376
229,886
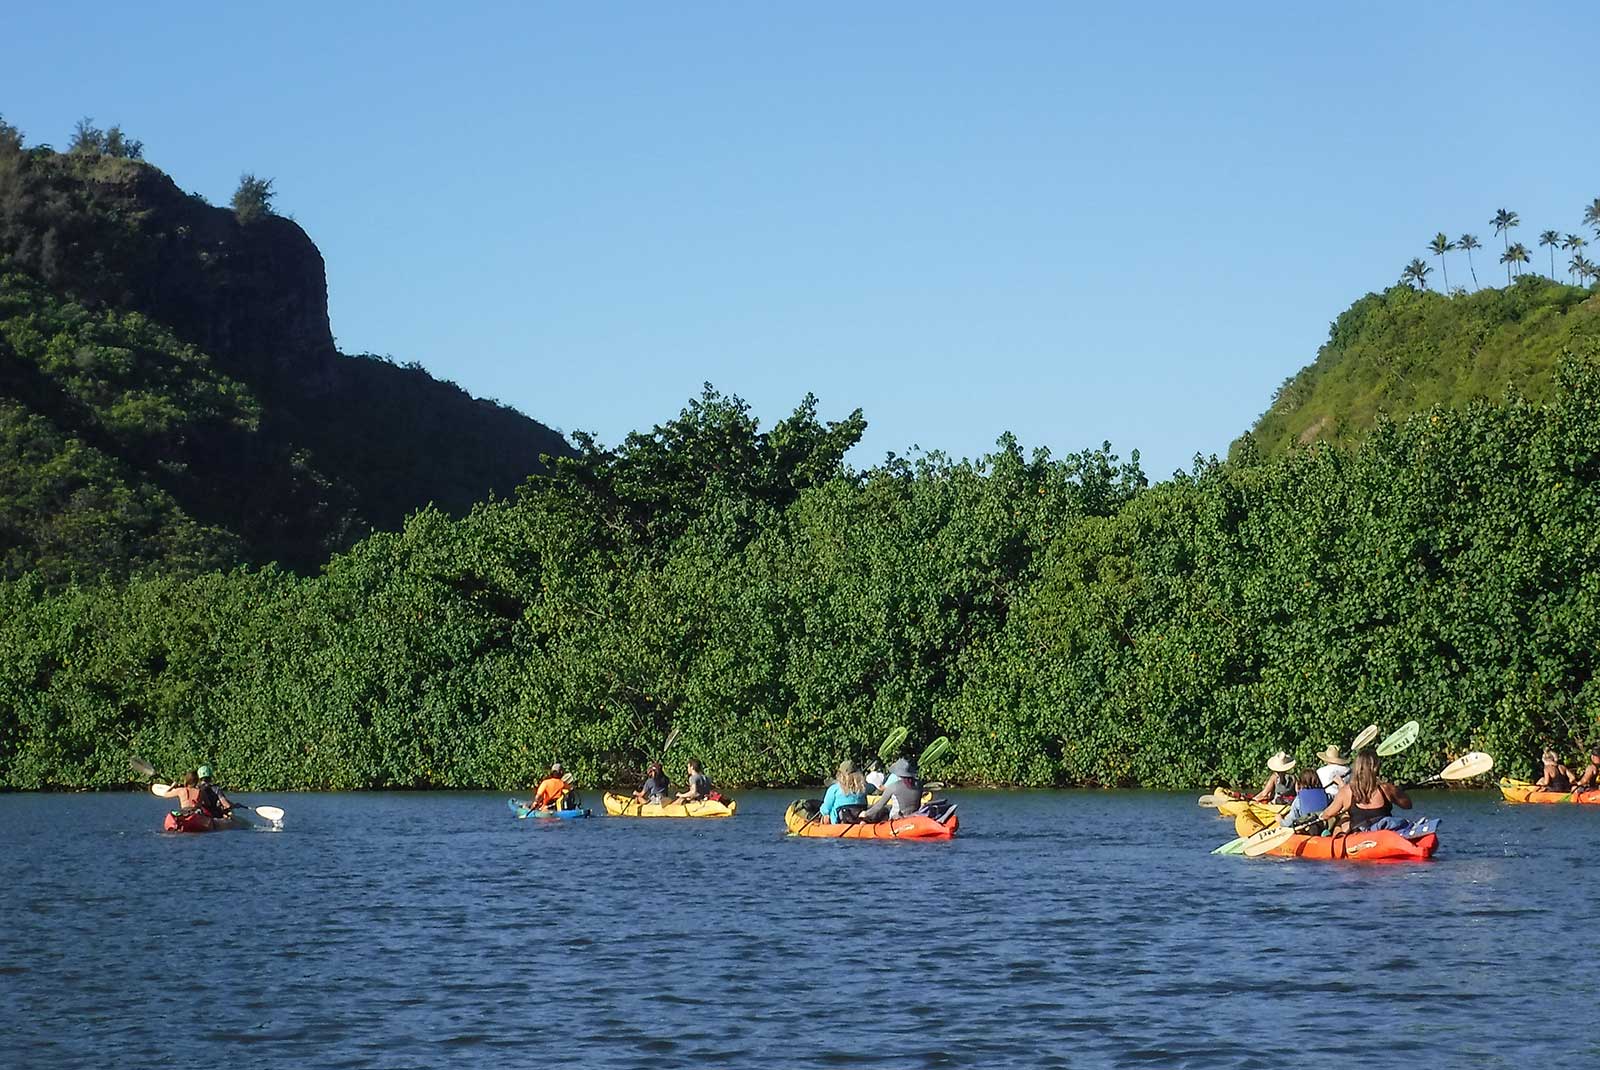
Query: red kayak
196,821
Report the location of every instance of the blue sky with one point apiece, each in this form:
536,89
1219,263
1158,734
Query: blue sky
1076,224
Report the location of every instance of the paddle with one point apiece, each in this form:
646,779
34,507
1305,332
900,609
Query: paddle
1464,768
1364,737
271,813
933,752
1398,740
892,742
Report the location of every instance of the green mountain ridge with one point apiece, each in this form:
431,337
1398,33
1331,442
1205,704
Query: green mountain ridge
171,397
1403,351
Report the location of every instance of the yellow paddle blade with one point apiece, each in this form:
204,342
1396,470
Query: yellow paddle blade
1268,838
1468,766
1364,737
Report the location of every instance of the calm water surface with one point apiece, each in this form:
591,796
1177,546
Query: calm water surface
1060,929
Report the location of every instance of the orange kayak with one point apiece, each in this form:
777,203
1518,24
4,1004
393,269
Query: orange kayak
1517,791
1375,846
899,828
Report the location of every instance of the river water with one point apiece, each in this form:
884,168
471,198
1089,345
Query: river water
1060,929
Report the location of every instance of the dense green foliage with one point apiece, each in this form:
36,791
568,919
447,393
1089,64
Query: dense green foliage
1060,620
1403,351
170,397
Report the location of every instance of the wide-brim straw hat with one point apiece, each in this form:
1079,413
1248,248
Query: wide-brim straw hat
1332,755
1280,763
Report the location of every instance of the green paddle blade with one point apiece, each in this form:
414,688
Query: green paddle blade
142,767
1364,738
892,742
933,752
1400,739
1468,766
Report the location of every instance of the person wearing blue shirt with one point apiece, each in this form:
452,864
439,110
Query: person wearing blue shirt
846,796
1310,798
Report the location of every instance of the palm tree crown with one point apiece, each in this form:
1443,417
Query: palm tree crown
1574,244
1469,242
1416,272
1503,221
1514,255
1591,215
1551,238
1438,247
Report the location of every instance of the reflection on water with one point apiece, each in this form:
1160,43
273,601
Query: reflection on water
1070,929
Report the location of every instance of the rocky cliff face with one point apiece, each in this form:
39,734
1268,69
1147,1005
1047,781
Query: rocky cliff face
206,384
120,233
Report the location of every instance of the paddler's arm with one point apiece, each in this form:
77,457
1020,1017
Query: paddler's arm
1396,796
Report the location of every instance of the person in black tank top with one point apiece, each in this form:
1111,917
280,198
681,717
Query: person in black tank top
1557,777
1367,800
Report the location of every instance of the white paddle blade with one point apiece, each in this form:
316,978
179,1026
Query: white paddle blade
1468,766
161,791
1266,840
1400,739
1210,802
271,813
1364,738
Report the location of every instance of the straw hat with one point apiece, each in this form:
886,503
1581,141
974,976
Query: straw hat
1280,763
1332,755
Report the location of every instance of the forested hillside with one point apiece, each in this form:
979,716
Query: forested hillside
1404,350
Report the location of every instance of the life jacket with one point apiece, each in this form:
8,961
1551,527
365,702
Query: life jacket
211,801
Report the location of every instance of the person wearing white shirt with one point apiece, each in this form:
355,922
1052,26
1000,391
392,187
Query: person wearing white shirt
1334,771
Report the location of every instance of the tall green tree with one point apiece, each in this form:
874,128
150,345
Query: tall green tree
1439,246
1514,256
1504,220
1582,268
1469,242
1573,243
1552,238
1591,215
1416,273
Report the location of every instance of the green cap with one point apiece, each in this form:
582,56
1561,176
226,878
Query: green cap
203,772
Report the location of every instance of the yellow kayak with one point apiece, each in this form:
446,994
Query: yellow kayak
1520,791
627,806
1235,807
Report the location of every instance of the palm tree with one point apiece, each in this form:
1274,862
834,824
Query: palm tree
1591,215
1551,238
1439,246
1470,242
1580,267
1416,272
1574,244
1515,254
1503,221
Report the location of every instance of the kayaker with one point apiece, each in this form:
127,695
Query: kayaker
1279,787
846,797
1310,798
1335,769
656,786
1589,779
1368,799
1557,777
550,789
212,801
187,793
875,775
902,794
699,783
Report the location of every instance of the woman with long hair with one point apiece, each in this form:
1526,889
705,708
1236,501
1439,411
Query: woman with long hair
846,796
1367,799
